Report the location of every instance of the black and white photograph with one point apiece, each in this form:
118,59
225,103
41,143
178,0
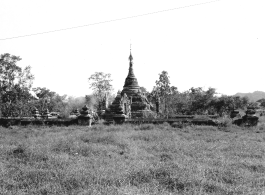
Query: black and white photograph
130,97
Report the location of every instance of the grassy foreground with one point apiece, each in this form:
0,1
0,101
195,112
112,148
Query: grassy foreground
145,159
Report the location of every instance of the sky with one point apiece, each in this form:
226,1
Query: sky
200,43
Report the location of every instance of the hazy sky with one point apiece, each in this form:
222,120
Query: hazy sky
219,44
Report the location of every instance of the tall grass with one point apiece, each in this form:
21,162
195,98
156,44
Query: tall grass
132,159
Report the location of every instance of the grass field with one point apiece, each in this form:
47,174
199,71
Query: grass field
145,159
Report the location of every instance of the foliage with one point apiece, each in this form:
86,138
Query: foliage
49,100
76,102
91,102
143,90
16,97
164,91
224,104
163,84
100,83
16,102
11,74
15,85
195,100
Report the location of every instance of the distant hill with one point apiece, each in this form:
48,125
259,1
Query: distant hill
255,96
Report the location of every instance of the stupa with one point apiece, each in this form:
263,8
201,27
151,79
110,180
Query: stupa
131,86
74,114
130,102
250,118
85,117
46,114
35,113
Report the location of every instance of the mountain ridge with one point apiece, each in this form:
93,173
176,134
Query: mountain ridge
254,96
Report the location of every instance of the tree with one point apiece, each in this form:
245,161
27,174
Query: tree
11,74
240,102
15,85
192,101
180,103
71,104
44,96
201,100
163,90
143,90
50,100
100,83
224,104
90,101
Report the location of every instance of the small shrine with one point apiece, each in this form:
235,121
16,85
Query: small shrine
46,114
251,111
130,102
250,118
74,114
234,113
87,116
119,110
35,113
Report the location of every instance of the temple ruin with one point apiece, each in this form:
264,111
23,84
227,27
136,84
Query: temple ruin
131,102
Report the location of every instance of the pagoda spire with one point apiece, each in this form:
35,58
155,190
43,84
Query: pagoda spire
131,73
130,57
131,84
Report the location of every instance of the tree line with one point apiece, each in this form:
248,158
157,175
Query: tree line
18,98
193,101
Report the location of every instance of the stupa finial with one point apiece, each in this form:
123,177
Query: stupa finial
130,57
